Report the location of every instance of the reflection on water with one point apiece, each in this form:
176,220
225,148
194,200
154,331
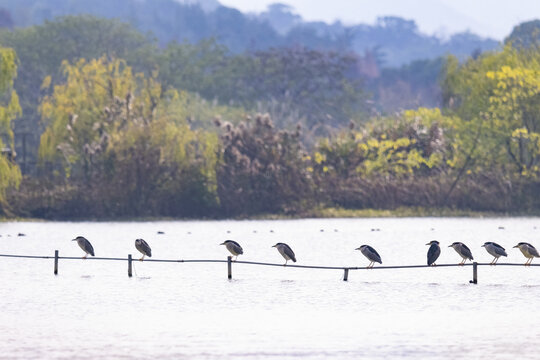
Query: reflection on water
190,310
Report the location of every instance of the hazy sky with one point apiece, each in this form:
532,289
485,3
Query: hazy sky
493,18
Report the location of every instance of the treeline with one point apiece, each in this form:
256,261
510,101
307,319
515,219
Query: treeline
319,89
126,136
397,41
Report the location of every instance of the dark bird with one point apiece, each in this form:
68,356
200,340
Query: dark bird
433,252
85,245
371,254
463,251
528,251
143,247
494,250
233,247
285,251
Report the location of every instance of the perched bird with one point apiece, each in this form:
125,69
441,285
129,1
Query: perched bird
144,248
285,251
85,245
433,252
494,250
528,251
463,251
371,254
233,247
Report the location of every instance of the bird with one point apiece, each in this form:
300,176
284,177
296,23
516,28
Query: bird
233,247
494,250
371,254
85,245
285,251
528,251
463,251
143,247
433,252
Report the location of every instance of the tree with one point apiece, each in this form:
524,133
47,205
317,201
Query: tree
261,169
10,175
497,96
126,144
314,84
525,35
42,49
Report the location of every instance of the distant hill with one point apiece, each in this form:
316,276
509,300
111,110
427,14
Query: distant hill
394,41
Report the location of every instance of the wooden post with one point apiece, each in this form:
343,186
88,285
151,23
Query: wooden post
474,273
130,266
229,267
346,274
55,262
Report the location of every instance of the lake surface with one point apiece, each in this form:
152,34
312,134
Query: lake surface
93,310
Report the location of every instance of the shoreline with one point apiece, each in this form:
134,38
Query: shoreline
323,213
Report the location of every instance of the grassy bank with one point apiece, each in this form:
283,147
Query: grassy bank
404,212
320,213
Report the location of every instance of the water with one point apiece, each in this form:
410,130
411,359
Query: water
191,311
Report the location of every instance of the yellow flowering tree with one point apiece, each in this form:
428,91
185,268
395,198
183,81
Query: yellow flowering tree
497,99
10,175
411,144
126,142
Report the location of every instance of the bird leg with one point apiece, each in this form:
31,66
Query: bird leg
84,257
493,261
141,259
285,263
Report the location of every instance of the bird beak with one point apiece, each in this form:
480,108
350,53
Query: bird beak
516,246
357,249
483,245
273,245
73,239
428,243
222,244
449,245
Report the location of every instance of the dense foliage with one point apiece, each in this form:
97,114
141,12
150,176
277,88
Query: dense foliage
10,175
126,129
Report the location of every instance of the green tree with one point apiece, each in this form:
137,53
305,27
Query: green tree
525,35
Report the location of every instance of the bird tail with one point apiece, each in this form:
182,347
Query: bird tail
293,259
